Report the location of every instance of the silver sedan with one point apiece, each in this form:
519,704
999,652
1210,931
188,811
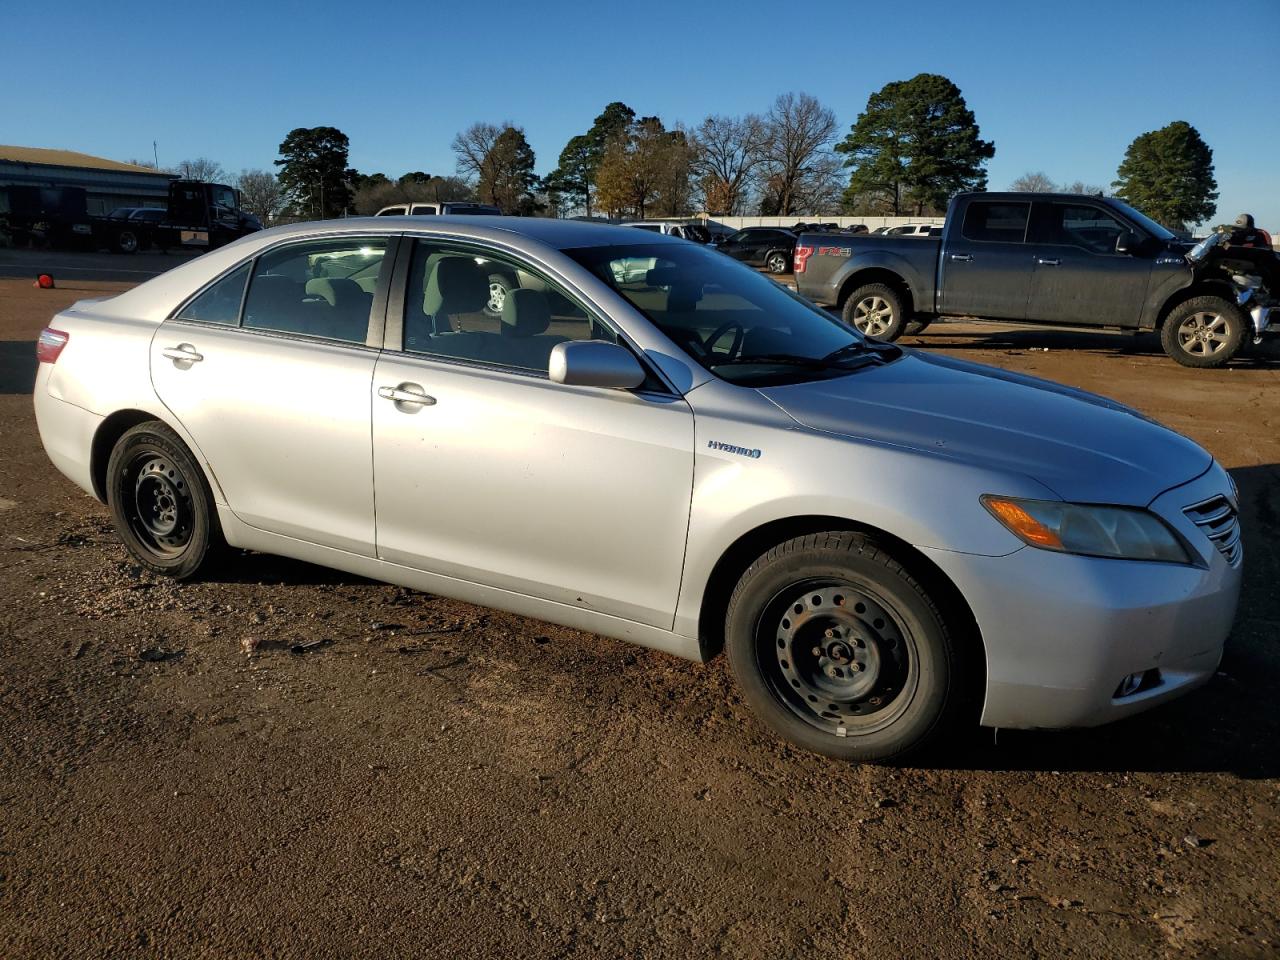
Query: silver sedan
652,442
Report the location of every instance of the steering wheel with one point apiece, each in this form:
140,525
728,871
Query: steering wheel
735,348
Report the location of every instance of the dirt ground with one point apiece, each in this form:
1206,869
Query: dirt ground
447,781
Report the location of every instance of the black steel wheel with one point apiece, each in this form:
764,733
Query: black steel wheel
841,650
160,503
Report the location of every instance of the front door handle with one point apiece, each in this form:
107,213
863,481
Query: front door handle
182,353
1047,263
409,393
962,257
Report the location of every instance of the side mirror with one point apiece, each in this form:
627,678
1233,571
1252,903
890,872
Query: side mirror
1127,242
595,363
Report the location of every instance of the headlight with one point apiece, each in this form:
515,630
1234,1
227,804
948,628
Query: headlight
1119,532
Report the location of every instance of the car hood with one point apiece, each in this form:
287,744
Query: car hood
1083,447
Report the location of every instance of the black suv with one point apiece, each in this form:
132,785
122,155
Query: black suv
768,247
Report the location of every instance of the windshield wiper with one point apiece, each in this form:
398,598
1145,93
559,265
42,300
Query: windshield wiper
880,351
790,360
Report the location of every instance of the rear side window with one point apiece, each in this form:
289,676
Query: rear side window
393,212
221,302
424,210
321,289
991,221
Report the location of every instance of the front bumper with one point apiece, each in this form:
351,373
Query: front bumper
1061,631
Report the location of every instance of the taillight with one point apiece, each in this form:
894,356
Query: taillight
50,345
801,258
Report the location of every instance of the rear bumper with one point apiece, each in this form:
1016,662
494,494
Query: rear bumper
1061,632
66,431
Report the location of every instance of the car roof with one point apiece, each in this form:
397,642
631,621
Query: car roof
560,234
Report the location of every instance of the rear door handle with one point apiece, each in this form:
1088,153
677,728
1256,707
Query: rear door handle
962,257
182,353
1047,263
407,393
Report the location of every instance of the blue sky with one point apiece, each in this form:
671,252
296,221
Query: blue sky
1060,87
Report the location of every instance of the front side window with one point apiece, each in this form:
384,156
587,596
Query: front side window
1081,225
464,304
995,222
221,302
319,289
736,322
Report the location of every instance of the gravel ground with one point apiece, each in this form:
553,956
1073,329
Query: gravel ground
442,780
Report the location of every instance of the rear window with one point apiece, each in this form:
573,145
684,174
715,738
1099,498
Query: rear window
995,222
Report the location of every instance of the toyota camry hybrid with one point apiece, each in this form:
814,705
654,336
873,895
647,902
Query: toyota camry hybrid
653,442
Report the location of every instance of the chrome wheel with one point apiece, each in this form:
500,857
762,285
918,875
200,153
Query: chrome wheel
777,263
873,316
837,656
1203,334
497,297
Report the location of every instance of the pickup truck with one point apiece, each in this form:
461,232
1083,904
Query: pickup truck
1046,258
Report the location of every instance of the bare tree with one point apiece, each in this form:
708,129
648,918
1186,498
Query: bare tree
1079,186
260,193
202,168
726,154
798,131
1036,182
375,194
474,148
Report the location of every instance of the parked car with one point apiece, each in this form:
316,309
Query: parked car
770,247
1048,258
677,452
909,230
686,231
449,207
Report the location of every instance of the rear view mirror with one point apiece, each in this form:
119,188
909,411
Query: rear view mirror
595,363
1127,242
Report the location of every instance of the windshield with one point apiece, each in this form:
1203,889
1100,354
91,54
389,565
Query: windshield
1146,223
736,322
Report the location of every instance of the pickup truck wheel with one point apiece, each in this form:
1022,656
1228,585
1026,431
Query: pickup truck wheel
126,241
1203,332
160,503
776,262
876,310
840,650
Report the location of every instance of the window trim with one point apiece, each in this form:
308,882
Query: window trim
393,338
1026,225
374,330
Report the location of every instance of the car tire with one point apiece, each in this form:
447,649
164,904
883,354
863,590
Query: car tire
916,326
1203,332
499,287
840,650
126,241
161,505
876,310
777,262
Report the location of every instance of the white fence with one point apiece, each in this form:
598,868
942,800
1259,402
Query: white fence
737,223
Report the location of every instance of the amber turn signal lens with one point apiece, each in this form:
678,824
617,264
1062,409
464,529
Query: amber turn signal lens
1022,523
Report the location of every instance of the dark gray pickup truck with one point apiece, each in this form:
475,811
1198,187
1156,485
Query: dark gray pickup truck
1044,258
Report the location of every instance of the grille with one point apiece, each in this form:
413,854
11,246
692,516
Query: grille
1220,523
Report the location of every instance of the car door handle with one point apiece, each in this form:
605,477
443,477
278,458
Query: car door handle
407,393
182,353
962,257
1047,263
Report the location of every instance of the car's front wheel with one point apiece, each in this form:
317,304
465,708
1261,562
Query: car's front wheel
1203,332
160,503
127,241
839,649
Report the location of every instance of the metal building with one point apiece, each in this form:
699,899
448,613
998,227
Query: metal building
108,183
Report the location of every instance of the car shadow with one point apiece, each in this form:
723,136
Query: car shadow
247,567
944,335
17,366
1229,725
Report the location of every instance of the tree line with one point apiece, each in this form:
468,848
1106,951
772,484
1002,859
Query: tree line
914,146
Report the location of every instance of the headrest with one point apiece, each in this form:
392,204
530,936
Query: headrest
456,285
337,290
525,314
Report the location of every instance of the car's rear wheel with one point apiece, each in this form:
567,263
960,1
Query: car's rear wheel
839,649
1203,332
876,310
777,262
499,287
126,241
160,503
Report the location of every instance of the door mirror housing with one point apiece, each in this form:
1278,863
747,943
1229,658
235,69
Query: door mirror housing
595,363
1127,242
